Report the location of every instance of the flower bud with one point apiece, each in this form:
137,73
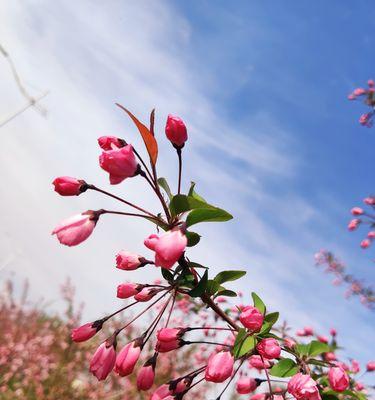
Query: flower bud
145,377
269,348
169,334
128,357
126,290
303,387
322,339
370,366
165,347
128,261
76,229
162,392
219,367
67,186
251,318
103,360
370,201
353,224
111,142
371,83
86,331
175,130
356,211
365,243
145,294
359,92
246,385
258,363
338,379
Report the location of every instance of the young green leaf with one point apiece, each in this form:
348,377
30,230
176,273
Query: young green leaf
162,182
227,276
316,348
167,275
226,293
181,203
194,194
192,238
258,303
247,345
201,286
207,215
284,368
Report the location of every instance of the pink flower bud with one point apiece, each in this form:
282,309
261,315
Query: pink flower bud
168,247
333,332
76,229
330,356
289,342
359,92
87,331
246,385
251,318
128,261
365,119
103,360
126,290
67,186
371,235
308,331
219,367
258,363
165,347
303,387
145,294
338,379
355,368
169,334
269,348
351,96
258,396
365,243
371,83
127,358
111,142
353,224
322,339
370,201
175,130
162,393
356,211
370,366
119,163
145,377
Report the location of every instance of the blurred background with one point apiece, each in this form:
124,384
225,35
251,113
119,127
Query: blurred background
262,87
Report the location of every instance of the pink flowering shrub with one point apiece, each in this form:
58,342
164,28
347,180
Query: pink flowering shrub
225,343
368,97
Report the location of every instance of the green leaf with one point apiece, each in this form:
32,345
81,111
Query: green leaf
258,303
269,321
243,344
212,287
226,293
192,238
326,396
285,367
207,215
227,276
162,182
194,194
201,286
181,203
193,264
167,275
302,349
316,348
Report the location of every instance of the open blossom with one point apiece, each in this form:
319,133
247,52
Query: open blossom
269,348
176,131
128,261
127,358
168,247
246,385
86,331
251,318
338,379
120,163
76,229
303,387
68,186
219,367
126,290
145,377
103,361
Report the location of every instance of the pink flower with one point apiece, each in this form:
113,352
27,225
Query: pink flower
87,331
246,385
365,119
169,334
308,331
355,366
145,294
359,92
76,229
370,366
219,367
356,211
333,332
371,83
175,130
168,247
370,201
353,224
162,392
330,356
128,261
145,377
126,290
256,362
258,396
103,361
322,339
269,348
303,387
365,243
165,347
289,342
127,358
251,318
338,379
119,163
67,186
111,142
371,235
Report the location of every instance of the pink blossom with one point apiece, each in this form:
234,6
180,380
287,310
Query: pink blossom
289,342
338,379
322,339
246,385
67,186
169,334
370,366
86,331
127,358
165,347
127,260
370,201
145,294
303,387
258,396
330,356
365,243
111,142
356,211
76,229
353,224
333,332
162,392
257,362
175,130
251,318
119,163
103,361
126,290
145,377
355,366
269,348
219,367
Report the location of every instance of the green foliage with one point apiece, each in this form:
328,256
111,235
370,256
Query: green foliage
192,238
162,182
284,368
201,287
258,303
243,343
227,276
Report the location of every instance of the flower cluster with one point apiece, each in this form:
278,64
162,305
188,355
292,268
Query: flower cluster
368,96
237,339
363,217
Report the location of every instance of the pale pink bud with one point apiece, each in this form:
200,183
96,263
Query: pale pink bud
371,82
126,290
127,358
145,294
370,366
67,186
359,92
333,332
111,142
119,163
128,261
87,331
365,243
308,331
356,211
175,130
256,362
269,348
246,385
338,379
76,229
169,334
370,201
303,387
103,360
251,318
161,393
145,377
355,368
322,339
330,356
371,235
219,367
289,342
353,224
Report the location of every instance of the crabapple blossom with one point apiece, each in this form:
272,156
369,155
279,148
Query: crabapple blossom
251,318
126,290
128,261
127,358
269,348
103,361
219,367
68,186
86,331
176,131
246,385
338,379
303,387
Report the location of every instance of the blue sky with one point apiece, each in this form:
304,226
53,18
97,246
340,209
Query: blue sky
262,87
